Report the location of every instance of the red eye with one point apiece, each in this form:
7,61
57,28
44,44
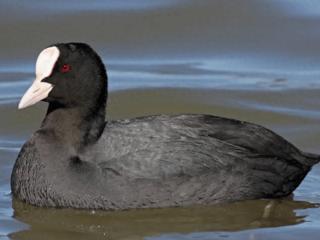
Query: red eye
65,68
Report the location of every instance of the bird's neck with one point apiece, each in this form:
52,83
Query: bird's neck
76,126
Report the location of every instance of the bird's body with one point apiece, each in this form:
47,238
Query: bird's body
77,160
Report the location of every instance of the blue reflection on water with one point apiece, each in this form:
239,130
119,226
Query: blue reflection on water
299,7
223,73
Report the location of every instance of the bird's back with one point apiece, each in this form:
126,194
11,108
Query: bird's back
200,158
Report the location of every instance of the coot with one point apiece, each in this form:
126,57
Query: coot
77,160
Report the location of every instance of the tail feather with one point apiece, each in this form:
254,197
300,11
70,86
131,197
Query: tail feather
312,158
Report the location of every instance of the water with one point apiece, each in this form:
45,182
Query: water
255,60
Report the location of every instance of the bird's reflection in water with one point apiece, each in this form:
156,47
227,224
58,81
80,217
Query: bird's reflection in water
137,224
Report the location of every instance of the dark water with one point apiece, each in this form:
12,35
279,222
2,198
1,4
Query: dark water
255,60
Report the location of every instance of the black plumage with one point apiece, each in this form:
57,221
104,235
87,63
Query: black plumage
78,160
